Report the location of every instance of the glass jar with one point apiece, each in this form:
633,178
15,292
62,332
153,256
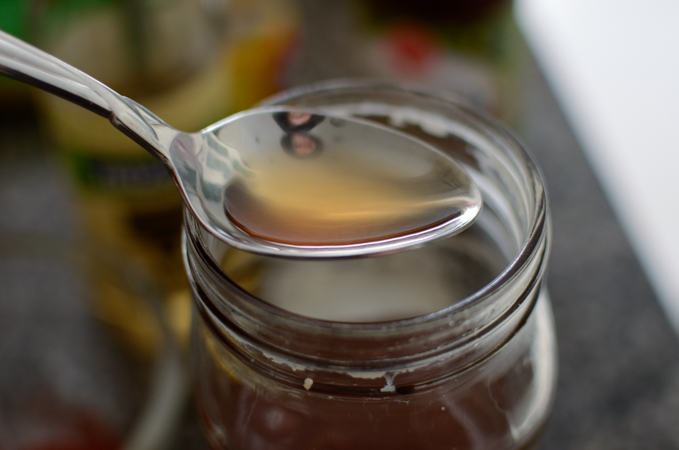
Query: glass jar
282,361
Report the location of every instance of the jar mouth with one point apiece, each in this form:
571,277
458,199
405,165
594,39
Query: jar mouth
527,253
469,317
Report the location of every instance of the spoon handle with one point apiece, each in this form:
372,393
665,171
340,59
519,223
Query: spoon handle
23,62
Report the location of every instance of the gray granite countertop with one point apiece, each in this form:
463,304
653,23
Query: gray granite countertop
619,358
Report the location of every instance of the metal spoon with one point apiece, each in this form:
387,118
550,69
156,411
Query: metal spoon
283,181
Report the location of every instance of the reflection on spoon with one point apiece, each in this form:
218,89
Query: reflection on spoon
283,181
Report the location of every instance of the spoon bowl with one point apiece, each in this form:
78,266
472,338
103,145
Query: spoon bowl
283,181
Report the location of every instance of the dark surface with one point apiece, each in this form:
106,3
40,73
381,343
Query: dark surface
619,358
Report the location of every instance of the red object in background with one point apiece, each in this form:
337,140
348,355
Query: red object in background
411,47
83,432
47,421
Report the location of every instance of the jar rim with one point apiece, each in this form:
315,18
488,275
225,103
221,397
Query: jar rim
538,224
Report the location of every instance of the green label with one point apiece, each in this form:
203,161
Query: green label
14,17
117,175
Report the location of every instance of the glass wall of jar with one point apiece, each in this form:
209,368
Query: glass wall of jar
447,346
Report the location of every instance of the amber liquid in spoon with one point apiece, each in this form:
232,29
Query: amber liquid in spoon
345,188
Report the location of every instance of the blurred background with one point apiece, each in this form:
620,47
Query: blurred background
94,306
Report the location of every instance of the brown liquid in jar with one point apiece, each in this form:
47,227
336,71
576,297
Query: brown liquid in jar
474,415
242,409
